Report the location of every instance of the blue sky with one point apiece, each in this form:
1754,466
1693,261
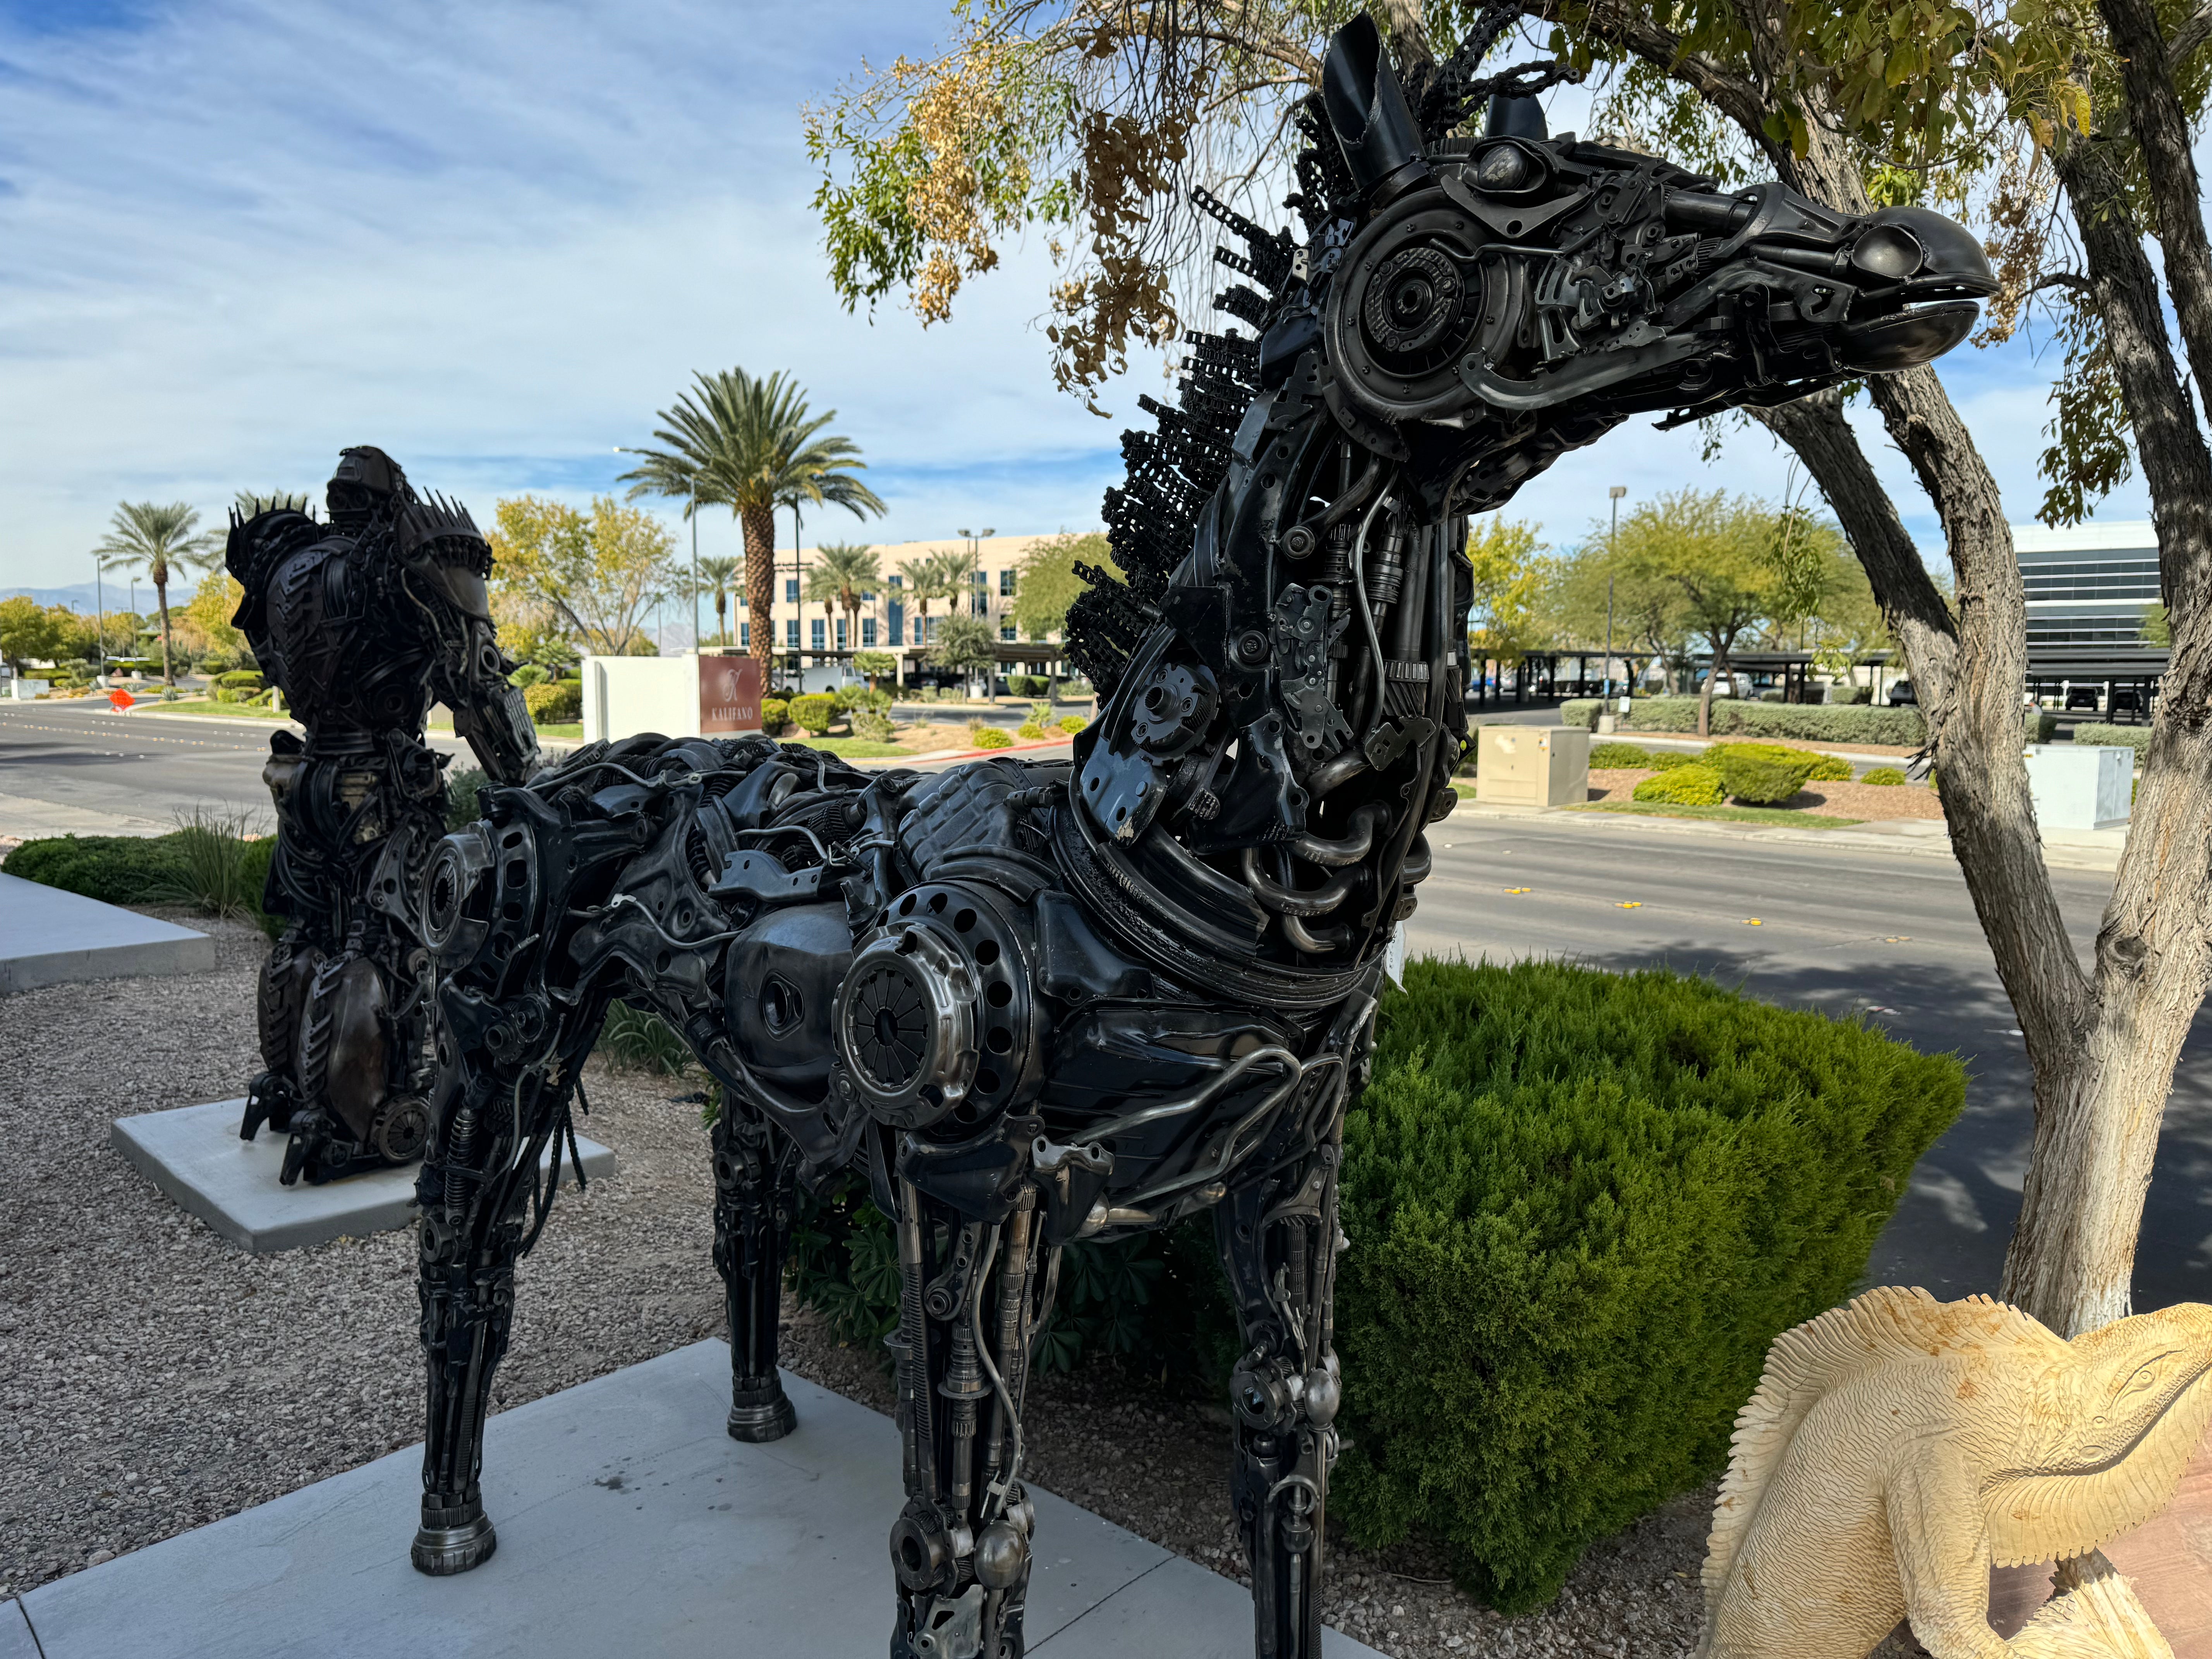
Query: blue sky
236,236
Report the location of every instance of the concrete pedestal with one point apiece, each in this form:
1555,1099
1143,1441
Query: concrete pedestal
194,1155
629,1523
48,937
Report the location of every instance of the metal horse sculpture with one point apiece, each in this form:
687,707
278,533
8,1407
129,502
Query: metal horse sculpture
362,623
1043,1001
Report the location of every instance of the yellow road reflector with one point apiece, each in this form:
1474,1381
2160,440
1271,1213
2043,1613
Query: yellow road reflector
1896,939
1516,890
1630,904
1753,921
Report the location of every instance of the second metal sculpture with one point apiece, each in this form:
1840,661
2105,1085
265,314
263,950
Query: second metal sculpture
1039,1002
362,623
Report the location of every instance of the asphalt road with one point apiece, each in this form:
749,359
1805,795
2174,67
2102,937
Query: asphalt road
1890,936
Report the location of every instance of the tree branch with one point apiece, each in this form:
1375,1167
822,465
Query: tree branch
1626,28
2189,37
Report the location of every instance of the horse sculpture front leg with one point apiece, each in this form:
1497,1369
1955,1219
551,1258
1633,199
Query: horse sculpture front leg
753,1169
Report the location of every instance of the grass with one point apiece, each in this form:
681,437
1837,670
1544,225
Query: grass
228,710
1790,814
851,748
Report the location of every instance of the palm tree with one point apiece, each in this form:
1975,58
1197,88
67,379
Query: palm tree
844,571
751,446
935,576
716,574
149,535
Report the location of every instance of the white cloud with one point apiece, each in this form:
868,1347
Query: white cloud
236,236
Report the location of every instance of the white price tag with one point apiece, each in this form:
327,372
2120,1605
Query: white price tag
1394,959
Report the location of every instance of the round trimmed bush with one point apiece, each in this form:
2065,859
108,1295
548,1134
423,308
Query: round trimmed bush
990,737
775,712
1884,777
1072,724
1683,786
1031,732
1829,769
1665,760
1581,1205
1761,774
814,713
555,703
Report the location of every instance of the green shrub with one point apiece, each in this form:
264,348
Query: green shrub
1613,757
1028,685
528,675
1883,776
2043,725
1581,1205
639,1040
989,737
1582,711
2136,737
462,783
239,680
203,863
1072,724
1665,760
555,703
814,714
1759,775
1682,785
1819,722
776,712
1031,731
872,724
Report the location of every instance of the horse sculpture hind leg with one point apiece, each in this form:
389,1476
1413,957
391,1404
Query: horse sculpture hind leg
753,1171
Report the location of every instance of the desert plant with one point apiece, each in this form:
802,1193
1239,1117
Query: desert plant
639,1040
209,870
814,714
1886,777
1682,785
873,723
989,737
528,675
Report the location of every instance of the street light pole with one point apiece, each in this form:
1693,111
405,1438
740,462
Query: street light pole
695,641
1611,553
99,616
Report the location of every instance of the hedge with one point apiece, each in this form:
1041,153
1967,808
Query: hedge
1813,722
556,702
1581,1205
206,864
2136,737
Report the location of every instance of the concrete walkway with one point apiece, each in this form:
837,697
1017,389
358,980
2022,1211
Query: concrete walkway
629,1523
48,937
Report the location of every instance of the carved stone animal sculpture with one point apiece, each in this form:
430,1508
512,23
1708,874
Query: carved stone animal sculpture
1898,1448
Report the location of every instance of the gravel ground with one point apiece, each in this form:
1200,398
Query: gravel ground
154,1377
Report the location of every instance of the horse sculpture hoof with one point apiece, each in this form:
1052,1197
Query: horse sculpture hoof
763,1420
444,1551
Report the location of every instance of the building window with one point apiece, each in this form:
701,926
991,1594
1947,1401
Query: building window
745,635
1007,631
791,633
843,643
897,581
931,640
897,623
1006,584
817,633
790,589
867,632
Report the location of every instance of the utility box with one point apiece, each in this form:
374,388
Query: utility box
2081,785
26,689
1532,765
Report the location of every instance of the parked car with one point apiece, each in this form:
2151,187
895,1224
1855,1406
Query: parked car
2126,697
1730,685
1902,695
2083,696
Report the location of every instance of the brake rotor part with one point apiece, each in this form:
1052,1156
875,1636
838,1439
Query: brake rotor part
400,1130
1412,296
905,1024
1174,710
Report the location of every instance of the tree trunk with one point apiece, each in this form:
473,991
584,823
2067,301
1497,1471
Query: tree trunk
161,576
759,526
2097,1134
1705,699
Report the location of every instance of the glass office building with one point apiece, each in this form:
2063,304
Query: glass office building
2088,586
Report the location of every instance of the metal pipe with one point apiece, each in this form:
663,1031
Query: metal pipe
1314,941
1351,848
1291,901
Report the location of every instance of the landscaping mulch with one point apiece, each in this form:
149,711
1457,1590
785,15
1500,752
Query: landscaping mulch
154,1377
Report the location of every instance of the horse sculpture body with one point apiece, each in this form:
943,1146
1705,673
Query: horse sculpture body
1035,1002
362,623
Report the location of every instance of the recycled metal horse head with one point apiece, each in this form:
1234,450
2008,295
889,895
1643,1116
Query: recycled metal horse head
1038,1001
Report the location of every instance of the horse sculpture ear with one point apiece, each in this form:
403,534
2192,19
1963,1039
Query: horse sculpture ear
1367,111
